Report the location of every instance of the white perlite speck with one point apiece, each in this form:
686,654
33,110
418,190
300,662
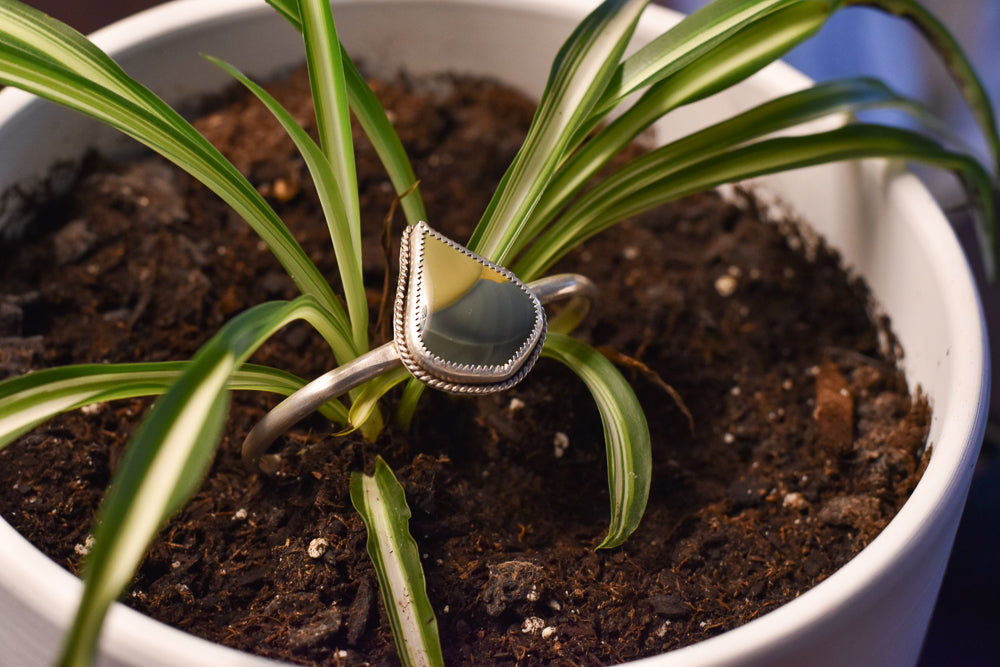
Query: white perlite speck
726,285
84,549
795,501
317,547
531,625
560,443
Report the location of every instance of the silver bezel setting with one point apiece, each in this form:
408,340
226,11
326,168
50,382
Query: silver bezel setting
409,315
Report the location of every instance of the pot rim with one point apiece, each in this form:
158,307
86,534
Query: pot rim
962,421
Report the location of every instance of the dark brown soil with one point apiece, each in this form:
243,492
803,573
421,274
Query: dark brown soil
803,441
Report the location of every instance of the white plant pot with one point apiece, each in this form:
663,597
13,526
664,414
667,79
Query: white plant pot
873,611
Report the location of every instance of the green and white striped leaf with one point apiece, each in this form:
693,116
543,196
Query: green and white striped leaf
49,59
408,402
32,399
579,75
852,142
693,37
365,404
626,433
165,462
839,98
329,93
332,199
381,501
707,52
376,125
741,54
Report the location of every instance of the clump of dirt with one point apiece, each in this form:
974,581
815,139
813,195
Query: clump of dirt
793,443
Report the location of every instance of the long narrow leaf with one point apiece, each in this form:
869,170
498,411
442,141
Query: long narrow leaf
375,124
954,58
365,405
326,77
785,153
626,433
408,402
743,53
386,142
66,47
579,76
380,500
843,96
51,60
165,462
331,197
29,400
289,9
329,93
695,35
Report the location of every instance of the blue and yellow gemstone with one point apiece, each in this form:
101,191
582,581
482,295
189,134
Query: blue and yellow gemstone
465,320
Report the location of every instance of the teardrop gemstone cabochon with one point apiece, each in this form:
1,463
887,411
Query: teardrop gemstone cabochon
465,320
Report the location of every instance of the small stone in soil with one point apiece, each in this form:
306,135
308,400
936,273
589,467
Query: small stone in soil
509,582
317,547
726,285
851,511
560,443
795,501
325,624
531,625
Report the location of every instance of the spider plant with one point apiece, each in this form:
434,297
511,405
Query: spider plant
596,101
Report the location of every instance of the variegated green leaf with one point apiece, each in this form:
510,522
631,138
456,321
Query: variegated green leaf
51,60
693,37
329,93
780,154
956,61
841,97
376,125
579,75
626,433
365,404
165,462
29,400
741,54
380,500
332,198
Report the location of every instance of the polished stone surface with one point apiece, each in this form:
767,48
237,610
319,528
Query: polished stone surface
473,313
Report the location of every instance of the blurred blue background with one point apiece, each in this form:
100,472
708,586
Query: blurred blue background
966,627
